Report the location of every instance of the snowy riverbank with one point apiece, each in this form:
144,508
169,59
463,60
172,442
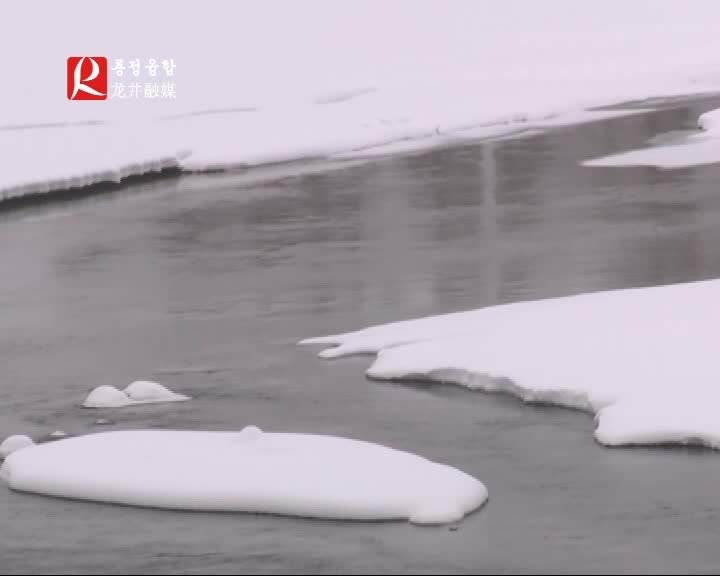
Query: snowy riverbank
343,82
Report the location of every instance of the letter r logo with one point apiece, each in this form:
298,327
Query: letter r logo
87,78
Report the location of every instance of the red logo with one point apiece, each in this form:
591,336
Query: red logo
87,78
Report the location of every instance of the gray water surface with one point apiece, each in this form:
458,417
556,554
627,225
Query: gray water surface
206,283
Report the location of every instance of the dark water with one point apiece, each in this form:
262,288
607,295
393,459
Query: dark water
206,283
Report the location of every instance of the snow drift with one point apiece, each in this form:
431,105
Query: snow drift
249,471
643,360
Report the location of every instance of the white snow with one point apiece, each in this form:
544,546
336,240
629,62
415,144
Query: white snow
331,78
710,121
139,392
37,161
250,471
643,360
13,444
106,397
145,391
694,150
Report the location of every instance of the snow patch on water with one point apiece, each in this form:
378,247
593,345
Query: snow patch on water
250,471
693,150
139,392
643,360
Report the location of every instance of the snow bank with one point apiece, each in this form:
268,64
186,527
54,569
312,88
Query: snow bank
13,444
694,150
140,392
249,471
37,161
643,360
351,129
442,136
41,160
331,78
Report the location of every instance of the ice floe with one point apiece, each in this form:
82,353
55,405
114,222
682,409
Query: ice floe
139,392
692,150
248,471
643,360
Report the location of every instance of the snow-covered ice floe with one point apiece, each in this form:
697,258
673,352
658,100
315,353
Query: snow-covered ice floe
247,471
643,360
139,392
693,150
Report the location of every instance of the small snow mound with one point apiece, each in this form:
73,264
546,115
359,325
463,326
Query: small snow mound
710,121
139,392
250,433
13,444
106,397
145,391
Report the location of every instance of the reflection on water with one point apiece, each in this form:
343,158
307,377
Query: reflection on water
207,282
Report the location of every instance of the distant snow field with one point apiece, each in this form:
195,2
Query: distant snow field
337,79
248,471
642,360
